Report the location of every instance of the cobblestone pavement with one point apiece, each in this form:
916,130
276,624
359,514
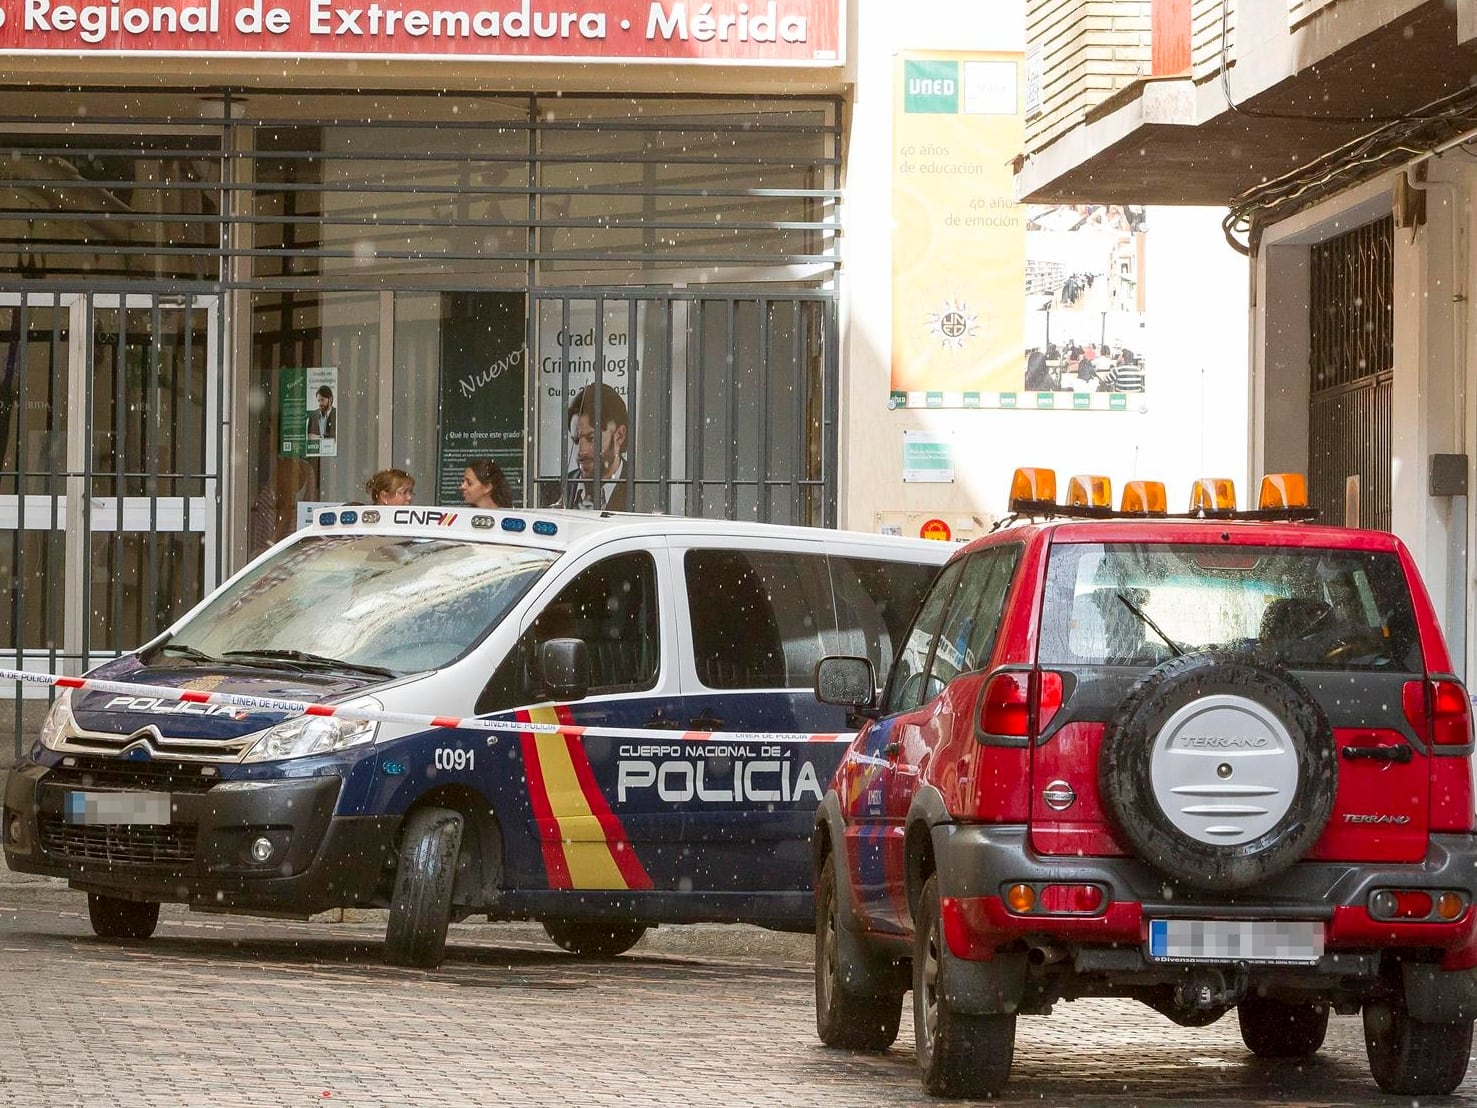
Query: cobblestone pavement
220,1010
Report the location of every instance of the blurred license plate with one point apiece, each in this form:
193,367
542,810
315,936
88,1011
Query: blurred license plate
1218,940
117,808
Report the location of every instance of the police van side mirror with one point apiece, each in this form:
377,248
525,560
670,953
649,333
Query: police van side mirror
564,668
846,682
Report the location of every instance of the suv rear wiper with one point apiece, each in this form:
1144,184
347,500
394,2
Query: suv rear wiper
1149,623
314,661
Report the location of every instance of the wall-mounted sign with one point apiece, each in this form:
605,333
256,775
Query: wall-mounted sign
963,251
928,456
743,32
935,529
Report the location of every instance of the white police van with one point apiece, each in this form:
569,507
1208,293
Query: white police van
308,737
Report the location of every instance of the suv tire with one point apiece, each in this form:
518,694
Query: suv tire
960,1054
1158,801
846,1018
1410,1057
1276,1029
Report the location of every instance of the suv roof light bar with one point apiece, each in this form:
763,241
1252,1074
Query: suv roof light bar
1144,498
1213,495
1284,497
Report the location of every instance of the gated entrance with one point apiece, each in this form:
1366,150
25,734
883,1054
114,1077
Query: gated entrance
110,521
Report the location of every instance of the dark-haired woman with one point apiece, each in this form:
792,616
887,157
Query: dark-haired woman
484,486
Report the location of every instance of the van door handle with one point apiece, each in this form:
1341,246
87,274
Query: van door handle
706,722
659,722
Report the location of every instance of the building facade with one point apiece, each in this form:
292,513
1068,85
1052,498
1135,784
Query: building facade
251,253
1337,133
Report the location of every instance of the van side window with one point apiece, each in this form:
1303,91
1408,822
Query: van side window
612,606
910,684
968,634
874,601
761,619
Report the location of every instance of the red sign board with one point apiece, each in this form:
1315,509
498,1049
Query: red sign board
749,32
936,529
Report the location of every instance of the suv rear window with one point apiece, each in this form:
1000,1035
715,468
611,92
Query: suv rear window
1308,608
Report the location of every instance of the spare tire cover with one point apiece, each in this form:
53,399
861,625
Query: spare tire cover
1217,771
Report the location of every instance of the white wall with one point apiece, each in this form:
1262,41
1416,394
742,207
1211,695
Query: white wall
1192,423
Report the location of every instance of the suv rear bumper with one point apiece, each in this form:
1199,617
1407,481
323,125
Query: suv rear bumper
202,856
976,863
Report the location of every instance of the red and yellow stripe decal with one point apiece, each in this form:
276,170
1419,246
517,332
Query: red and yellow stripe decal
584,844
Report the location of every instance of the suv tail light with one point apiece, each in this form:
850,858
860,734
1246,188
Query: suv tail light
1005,707
1439,711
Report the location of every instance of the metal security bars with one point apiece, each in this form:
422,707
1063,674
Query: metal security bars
1352,352
731,400
360,192
110,447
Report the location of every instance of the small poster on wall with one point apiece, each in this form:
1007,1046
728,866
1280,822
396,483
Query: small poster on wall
308,417
482,388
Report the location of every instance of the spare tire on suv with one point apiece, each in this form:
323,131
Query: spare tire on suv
1218,771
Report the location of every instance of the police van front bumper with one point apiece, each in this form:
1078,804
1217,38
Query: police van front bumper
270,846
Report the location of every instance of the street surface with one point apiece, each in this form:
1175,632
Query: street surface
222,1010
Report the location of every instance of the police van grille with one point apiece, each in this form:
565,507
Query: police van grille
202,750
135,844
113,773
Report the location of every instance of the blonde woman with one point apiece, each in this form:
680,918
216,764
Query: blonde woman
390,486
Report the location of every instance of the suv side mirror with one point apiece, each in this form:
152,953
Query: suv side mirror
847,682
564,668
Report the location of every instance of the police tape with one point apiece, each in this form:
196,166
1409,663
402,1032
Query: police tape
379,715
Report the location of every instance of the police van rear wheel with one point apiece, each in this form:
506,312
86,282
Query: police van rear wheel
115,918
845,1018
420,910
593,940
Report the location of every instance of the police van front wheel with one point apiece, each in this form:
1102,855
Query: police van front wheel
420,909
115,918
593,940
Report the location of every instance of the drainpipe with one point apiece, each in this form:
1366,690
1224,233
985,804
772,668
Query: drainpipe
1463,523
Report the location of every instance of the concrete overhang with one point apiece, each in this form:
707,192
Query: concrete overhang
1172,141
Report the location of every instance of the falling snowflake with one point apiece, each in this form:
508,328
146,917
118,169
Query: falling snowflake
953,324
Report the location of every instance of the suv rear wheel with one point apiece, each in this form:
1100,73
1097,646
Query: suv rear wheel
960,1054
1218,771
844,1017
1410,1057
1276,1029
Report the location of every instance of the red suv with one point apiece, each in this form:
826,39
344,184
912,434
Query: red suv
1212,761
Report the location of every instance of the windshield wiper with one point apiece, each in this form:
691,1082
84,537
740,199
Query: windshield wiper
1149,623
313,661
188,652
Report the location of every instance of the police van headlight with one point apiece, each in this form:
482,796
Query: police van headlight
306,735
58,726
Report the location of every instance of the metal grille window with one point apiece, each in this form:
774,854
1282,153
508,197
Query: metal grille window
1352,352
109,205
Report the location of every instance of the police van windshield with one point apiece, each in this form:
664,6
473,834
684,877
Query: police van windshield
381,604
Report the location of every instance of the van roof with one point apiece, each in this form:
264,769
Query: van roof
563,528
